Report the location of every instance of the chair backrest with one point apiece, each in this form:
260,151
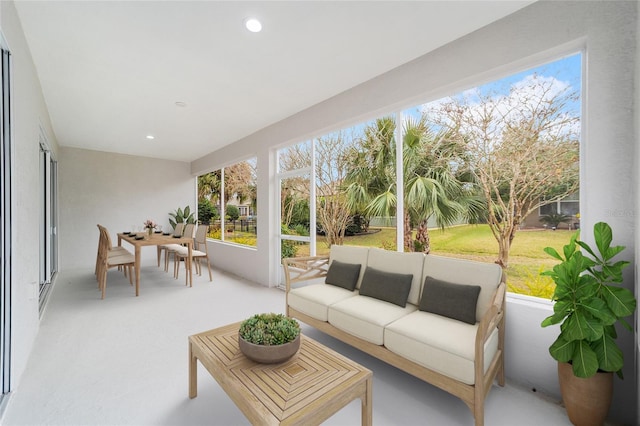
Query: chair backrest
201,234
178,229
104,244
189,230
105,237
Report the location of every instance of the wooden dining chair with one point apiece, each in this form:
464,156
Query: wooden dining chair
113,251
200,251
179,229
189,231
110,259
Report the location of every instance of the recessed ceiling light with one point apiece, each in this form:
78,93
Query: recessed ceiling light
253,25
150,137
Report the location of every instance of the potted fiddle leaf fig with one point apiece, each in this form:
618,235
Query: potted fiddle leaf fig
588,303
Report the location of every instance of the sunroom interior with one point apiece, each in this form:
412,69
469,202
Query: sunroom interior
118,182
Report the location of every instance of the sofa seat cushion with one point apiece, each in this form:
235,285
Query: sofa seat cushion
442,344
366,317
314,299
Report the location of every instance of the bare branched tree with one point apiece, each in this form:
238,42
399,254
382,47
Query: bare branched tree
331,168
522,148
294,191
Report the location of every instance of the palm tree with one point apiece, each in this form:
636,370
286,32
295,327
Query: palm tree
431,188
209,186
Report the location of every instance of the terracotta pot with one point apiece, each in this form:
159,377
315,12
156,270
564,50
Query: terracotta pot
269,354
587,400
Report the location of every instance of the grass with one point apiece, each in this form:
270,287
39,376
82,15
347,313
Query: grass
476,242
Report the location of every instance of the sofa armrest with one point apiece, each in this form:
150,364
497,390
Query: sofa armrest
492,319
299,269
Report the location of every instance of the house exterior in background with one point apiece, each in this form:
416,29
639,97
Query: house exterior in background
568,206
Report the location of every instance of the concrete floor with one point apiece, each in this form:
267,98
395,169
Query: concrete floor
123,361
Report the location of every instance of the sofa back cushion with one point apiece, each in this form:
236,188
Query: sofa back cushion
400,263
467,272
350,254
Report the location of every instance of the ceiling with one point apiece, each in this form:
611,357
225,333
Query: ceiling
192,76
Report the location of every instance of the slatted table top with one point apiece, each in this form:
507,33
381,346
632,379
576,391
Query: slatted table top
307,389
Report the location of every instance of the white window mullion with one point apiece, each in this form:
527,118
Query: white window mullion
223,210
399,136
312,203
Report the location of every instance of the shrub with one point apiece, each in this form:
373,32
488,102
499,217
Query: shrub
232,212
215,233
206,211
535,285
301,229
244,240
287,248
555,219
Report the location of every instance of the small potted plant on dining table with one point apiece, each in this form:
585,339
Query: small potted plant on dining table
269,338
150,226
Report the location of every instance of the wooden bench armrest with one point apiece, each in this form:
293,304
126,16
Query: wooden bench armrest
299,269
492,319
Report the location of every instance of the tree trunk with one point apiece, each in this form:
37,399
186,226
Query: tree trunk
422,237
504,246
408,237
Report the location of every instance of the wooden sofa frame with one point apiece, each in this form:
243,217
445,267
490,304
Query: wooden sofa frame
303,269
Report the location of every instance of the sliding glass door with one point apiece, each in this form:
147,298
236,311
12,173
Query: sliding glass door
5,221
48,220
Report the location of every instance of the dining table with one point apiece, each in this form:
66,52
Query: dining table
142,239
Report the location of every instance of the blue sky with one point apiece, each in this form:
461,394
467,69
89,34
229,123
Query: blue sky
567,69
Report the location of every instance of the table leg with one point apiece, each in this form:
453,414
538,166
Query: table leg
137,268
367,404
193,373
189,260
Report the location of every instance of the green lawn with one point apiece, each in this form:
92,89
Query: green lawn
527,258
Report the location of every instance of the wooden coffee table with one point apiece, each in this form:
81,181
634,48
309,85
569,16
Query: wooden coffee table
307,389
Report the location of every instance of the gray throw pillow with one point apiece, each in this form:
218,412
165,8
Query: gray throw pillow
343,275
387,286
456,301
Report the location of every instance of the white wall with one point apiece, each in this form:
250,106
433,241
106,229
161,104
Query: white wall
29,114
527,344
535,34
116,191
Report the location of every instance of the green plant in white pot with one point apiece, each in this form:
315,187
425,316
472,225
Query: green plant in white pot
588,303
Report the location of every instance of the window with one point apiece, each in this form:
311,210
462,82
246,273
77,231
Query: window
328,196
569,206
516,139
234,187
296,214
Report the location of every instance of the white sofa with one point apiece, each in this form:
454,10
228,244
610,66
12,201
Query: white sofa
392,314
